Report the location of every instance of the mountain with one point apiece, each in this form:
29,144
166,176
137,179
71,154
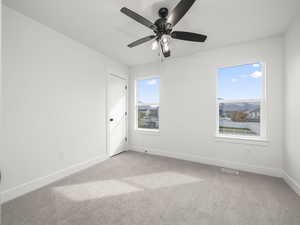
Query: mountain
246,106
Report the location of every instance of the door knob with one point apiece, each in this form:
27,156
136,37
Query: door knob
111,119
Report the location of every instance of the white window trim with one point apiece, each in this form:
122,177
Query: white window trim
136,94
260,140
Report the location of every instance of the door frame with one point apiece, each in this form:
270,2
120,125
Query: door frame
107,113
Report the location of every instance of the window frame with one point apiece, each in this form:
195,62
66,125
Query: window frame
136,95
263,106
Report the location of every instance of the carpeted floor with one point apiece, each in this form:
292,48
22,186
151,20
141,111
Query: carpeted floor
140,189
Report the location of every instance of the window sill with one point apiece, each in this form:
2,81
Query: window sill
148,132
242,140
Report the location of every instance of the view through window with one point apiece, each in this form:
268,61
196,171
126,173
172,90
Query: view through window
147,103
240,100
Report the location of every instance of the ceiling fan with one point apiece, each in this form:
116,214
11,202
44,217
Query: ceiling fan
163,27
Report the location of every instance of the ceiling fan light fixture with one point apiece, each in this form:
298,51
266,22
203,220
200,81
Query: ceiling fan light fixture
166,47
154,45
164,39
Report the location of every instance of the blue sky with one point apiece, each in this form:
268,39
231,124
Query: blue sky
148,90
243,81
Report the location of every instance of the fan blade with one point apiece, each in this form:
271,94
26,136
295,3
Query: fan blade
141,41
179,11
188,36
139,18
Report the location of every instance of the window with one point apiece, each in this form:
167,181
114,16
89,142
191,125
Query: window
241,101
147,104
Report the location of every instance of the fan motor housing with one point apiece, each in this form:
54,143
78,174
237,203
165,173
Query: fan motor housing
162,26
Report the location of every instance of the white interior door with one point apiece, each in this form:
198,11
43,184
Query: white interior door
117,116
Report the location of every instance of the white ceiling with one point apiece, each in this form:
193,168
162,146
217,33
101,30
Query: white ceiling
100,25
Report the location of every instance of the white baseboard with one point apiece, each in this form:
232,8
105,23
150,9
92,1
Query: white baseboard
43,181
292,183
274,172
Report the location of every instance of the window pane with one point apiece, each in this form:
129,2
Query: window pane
148,91
148,116
240,82
148,103
242,118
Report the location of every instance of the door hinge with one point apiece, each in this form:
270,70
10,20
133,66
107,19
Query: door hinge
126,139
125,87
125,113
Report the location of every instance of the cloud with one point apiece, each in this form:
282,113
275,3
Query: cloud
234,80
256,65
151,82
256,74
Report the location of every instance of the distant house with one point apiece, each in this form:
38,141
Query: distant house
253,115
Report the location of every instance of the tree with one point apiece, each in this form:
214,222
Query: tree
239,116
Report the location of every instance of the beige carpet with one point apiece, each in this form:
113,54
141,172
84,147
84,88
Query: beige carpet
140,189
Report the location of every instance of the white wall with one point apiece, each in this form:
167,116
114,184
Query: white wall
292,100
54,102
188,108
0,100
